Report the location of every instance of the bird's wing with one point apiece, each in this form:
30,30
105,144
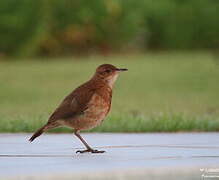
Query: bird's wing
74,104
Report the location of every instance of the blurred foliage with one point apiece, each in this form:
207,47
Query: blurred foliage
182,24
54,27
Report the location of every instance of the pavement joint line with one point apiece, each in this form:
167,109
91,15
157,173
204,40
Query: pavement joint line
165,146
32,155
56,155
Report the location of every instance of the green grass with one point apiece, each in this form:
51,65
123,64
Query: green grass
160,92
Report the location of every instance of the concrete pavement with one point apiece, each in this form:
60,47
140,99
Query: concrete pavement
128,156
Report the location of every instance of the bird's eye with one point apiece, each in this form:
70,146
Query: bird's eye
108,71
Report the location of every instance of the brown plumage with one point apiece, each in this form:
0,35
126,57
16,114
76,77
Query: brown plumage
86,106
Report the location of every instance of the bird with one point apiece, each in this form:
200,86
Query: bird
86,106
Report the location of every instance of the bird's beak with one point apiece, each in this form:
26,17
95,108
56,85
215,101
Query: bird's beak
122,69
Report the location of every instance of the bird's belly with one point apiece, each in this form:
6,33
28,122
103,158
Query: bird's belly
93,115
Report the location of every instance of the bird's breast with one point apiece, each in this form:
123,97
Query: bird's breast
98,107
96,111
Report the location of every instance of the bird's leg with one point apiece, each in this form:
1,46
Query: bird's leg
89,149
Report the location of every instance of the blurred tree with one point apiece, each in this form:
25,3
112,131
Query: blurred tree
54,27
21,23
187,24
85,25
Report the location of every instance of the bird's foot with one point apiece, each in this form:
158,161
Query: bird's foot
89,150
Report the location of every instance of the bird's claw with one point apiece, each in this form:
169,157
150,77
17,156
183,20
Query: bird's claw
89,150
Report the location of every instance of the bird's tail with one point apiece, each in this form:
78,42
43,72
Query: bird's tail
38,133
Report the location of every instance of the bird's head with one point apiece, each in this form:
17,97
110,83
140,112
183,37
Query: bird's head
108,73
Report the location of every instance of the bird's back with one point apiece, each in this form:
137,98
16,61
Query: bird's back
87,98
